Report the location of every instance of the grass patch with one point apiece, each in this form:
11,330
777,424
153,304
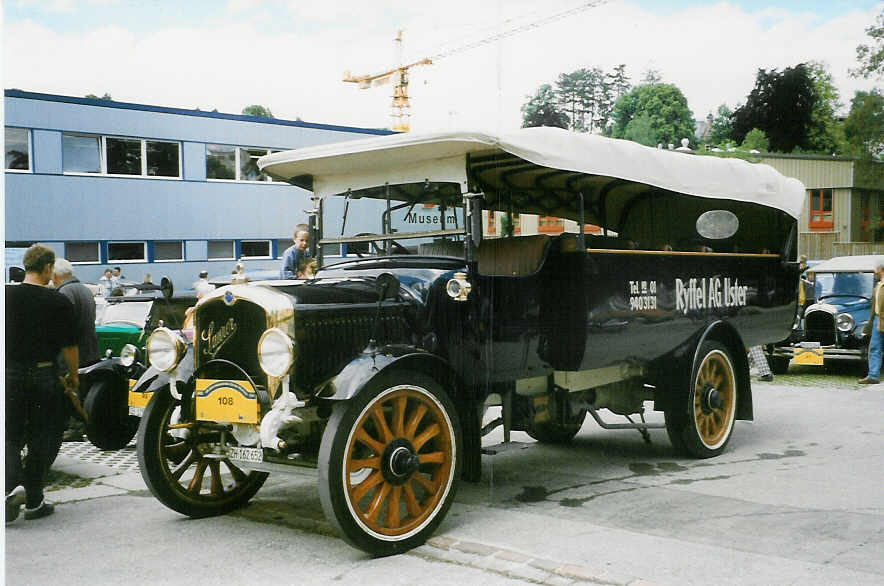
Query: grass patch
57,480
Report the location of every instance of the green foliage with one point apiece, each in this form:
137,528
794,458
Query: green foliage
640,129
581,100
542,110
757,140
257,111
782,105
106,96
825,134
720,127
665,109
871,56
864,127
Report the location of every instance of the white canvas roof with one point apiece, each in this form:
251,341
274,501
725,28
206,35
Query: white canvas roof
865,263
410,158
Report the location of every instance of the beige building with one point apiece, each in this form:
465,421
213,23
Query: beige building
843,213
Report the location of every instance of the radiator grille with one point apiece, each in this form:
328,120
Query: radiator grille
819,327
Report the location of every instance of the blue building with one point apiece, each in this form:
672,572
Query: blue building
154,190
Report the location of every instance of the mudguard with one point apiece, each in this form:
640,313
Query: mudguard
154,379
362,369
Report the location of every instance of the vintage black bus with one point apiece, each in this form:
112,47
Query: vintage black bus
379,369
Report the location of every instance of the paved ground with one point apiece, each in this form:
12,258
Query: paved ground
798,498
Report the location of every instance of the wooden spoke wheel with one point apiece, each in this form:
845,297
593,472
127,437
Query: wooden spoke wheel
180,467
389,462
702,424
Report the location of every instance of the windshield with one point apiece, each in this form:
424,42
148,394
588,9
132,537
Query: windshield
415,215
829,284
132,313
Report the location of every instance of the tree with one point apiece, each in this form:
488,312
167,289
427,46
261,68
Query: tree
542,110
720,126
864,127
257,111
640,129
871,57
825,134
106,96
664,107
652,76
755,140
782,105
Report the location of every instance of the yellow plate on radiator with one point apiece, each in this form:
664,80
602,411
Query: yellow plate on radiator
226,401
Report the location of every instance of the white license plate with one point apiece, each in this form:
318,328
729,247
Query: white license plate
245,454
136,411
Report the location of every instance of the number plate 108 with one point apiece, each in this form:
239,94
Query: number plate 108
226,401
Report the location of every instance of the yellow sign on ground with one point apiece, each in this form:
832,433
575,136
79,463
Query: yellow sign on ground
226,401
811,356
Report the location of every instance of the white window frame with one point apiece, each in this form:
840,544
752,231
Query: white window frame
237,158
84,262
102,157
30,168
143,244
269,247
179,259
232,249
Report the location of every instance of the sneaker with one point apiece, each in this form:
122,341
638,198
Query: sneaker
766,377
868,381
14,500
44,510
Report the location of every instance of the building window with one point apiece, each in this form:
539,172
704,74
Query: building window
220,250
126,252
255,249
282,246
109,155
81,252
235,163
18,149
821,217
550,224
170,250
123,156
81,154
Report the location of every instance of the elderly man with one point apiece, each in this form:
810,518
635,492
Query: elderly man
875,327
84,317
84,309
39,325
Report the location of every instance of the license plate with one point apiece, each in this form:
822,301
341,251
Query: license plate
137,400
226,401
136,411
241,454
811,356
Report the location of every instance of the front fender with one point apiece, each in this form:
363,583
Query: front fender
105,365
154,379
362,369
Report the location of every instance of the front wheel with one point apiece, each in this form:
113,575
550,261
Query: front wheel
109,425
703,420
389,463
180,467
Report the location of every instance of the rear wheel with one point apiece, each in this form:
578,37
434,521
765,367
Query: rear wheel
389,463
180,467
703,420
109,425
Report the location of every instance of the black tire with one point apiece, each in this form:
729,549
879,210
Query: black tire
557,433
779,364
109,425
702,422
400,440
174,467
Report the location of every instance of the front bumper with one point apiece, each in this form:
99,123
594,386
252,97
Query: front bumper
804,353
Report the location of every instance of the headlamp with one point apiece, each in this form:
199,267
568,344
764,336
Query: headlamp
276,352
165,349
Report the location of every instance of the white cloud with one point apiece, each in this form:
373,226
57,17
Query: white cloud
711,52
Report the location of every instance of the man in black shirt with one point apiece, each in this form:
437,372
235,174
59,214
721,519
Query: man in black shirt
39,324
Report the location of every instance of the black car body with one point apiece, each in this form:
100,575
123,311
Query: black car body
831,327
105,386
378,371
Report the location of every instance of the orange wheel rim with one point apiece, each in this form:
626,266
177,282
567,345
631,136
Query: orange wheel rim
398,463
714,398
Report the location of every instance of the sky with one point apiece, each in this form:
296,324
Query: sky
290,56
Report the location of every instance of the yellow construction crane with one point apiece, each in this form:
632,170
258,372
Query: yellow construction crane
399,74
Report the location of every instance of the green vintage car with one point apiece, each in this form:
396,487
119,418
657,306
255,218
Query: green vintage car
123,329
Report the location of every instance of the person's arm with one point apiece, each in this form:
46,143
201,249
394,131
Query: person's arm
288,264
71,357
